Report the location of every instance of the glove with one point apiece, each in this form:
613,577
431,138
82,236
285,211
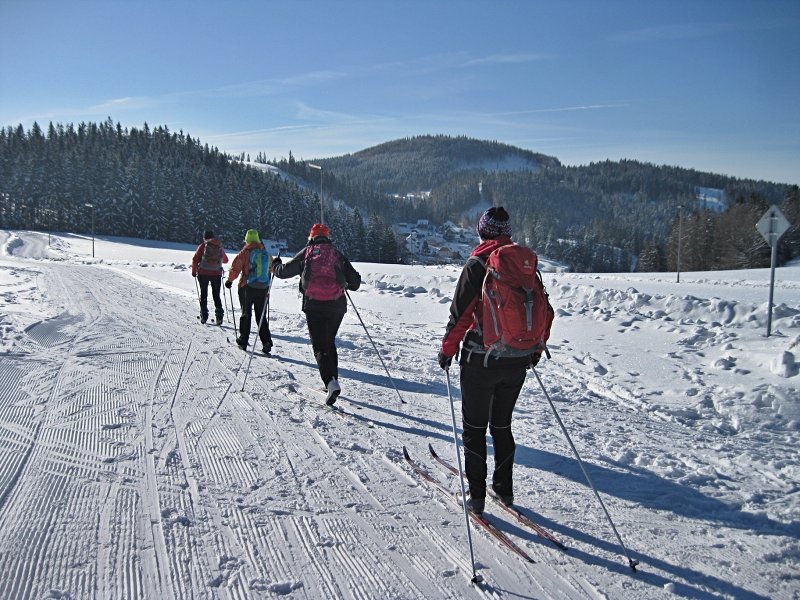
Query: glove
444,360
229,284
275,262
535,358
194,274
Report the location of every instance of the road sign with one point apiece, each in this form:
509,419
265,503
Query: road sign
772,225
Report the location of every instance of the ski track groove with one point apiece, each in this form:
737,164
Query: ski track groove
246,525
379,519
306,532
182,544
353,500
32,526
336,533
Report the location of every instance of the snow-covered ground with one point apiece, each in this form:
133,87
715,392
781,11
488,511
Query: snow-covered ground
134,466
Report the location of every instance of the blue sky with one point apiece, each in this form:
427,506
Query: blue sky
709,85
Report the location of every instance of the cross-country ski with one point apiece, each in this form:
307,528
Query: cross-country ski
511,510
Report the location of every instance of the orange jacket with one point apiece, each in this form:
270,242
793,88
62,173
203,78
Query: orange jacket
241,263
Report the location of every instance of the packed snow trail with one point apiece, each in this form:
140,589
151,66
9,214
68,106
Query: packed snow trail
134,467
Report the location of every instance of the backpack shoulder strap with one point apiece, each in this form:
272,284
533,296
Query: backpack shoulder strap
479,259
302,284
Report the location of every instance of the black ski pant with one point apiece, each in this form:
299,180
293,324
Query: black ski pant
322,329
488,397
216,284
253,302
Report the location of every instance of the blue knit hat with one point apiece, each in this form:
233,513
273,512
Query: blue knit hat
493,223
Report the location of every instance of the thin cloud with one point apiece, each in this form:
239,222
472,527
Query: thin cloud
265,87
682,31
497,59
250,138
118,104
307,112
99,111
313,77
247,89
324,118
560,109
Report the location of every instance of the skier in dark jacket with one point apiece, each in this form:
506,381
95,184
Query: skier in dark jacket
325,274
253,295
489,388
207,267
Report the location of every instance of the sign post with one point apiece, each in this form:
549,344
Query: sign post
772,226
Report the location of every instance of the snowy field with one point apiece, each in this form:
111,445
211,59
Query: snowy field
134,466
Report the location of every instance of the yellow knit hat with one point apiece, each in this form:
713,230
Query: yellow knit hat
251,236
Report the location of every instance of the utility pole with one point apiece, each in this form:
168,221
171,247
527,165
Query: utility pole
92,207
680,238
321,192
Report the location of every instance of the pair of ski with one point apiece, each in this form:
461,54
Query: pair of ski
256,353
483,520
209,322
336,409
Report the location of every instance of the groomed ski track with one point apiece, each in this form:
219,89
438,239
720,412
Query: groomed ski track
135,467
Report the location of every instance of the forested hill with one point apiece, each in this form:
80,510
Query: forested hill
394,179
424,162
160,185
599,217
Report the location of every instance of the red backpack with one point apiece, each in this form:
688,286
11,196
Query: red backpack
212,256
516,314
321,279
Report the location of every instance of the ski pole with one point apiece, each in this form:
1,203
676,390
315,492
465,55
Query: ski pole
197,288
271,277
260,320
631,561
225,298
475,577
235,330
253,349
376,348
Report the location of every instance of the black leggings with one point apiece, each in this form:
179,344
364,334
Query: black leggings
216,282
488,399
254,300
322,329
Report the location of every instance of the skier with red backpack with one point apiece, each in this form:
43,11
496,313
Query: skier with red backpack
325,274
207,268
253,263
500,316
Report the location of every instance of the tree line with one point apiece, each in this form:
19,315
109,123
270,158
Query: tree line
161,185
707,240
